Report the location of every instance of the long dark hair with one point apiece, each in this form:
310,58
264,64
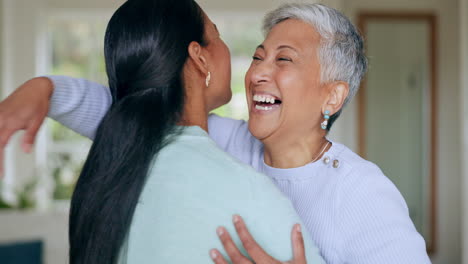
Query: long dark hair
146,47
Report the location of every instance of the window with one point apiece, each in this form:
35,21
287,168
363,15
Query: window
76,47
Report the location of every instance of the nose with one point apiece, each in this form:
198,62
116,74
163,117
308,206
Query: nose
261,73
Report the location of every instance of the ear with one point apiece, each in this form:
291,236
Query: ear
197,56
338,92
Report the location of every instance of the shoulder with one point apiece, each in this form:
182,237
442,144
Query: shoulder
356,173
234,137
215,120
204,158
370,209
224,127
365,194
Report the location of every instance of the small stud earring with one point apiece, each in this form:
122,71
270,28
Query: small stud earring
208,79
326,116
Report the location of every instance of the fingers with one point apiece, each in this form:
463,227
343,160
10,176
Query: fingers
7,129
4,139
30,136
249,243
5,136
298,245
2,168
230,247
26,108
217,257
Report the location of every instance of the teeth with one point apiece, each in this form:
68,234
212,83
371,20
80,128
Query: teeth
263,108
263,99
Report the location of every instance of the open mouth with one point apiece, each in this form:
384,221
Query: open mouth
265,102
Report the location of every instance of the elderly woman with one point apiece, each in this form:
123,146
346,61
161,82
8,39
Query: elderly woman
307,69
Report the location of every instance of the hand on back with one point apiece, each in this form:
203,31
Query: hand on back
255,251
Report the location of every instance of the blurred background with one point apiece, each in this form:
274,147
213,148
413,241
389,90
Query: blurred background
410,116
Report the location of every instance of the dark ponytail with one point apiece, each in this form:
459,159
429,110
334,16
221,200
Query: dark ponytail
146,47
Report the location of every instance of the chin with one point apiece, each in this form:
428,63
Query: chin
259,129
228,97
221,100
225,98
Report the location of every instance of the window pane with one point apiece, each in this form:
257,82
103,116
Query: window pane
77,49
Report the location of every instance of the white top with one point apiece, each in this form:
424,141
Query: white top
354,213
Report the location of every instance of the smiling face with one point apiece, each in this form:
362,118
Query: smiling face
284,91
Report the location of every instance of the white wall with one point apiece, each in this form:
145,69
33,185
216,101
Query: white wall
464,122
449,195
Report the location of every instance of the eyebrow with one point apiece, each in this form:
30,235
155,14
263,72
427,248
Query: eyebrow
287,47
280,47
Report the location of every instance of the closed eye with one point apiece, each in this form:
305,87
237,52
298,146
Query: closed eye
285,59
256,58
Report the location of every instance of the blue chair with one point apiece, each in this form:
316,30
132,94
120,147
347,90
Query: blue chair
22,253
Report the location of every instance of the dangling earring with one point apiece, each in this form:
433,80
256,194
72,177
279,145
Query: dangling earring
208,79
324,124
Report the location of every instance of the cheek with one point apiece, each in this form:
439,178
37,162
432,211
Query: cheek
222,64
287,79
227,56
247,78
301,96
247,81
291,87
226,62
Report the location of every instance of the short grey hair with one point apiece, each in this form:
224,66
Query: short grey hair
341,53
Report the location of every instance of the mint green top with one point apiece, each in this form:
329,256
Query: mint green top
193,188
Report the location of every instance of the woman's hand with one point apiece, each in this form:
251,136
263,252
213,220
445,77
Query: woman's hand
25,109
257,254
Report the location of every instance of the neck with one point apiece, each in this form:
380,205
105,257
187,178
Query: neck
195,112
295,151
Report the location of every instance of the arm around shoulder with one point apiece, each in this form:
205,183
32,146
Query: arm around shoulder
79,104
227,131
